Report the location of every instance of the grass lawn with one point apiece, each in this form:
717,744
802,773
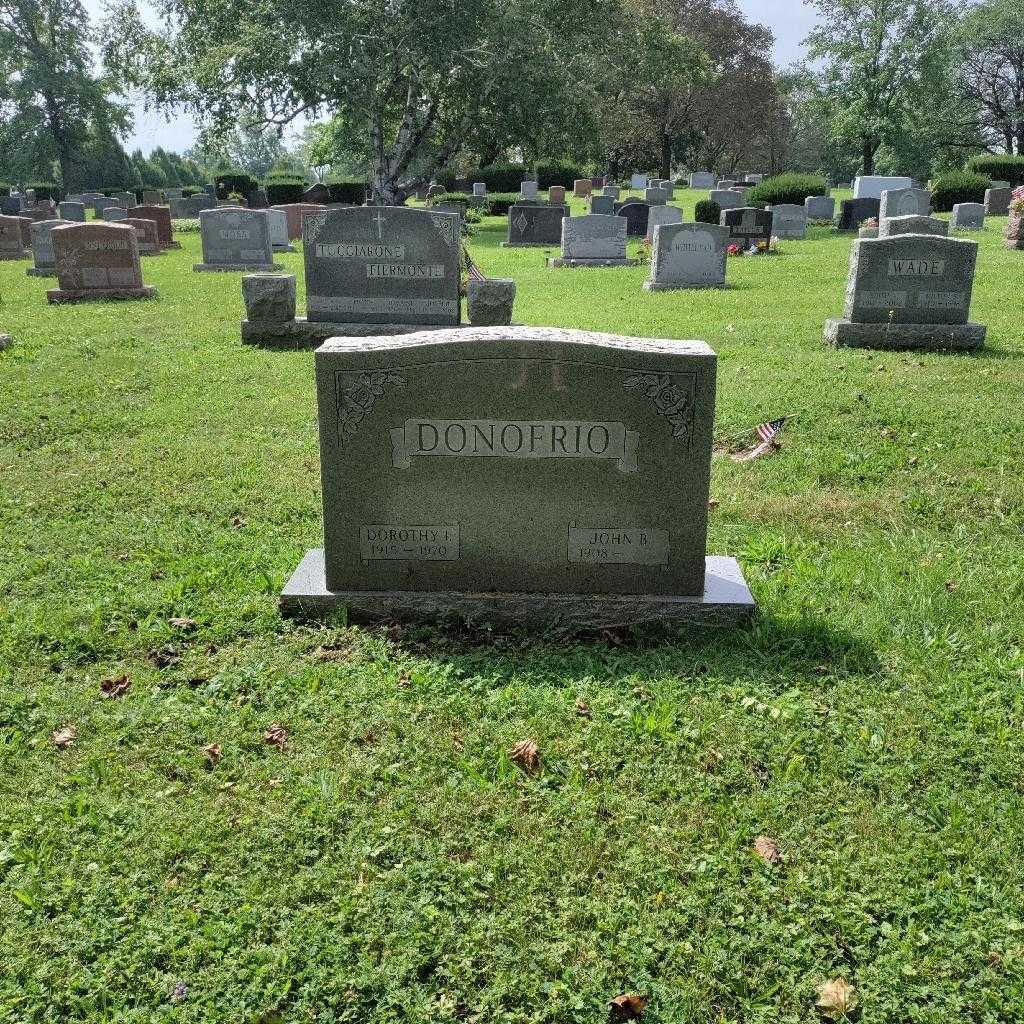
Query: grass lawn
391,863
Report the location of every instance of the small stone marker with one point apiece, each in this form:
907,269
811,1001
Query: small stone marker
905,202
516,476
688,256
909,292
277,225
97,261
853,213
556,195
702,180
968,217
636,213
727,199
71,211
603,205
148,235
12,244
997,201
582,187
383,265
528,190
489,302
42,248
638,182
535,226
596,240
160,214
748,225
658,215
872,186
235,239
820,207
789,222
912,226
269,298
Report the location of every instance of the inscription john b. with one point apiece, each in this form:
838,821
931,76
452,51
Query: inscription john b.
626,546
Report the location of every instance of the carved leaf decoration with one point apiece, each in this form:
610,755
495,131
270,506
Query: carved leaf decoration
357,400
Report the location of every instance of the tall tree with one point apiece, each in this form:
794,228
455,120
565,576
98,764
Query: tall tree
989,62
50,96
880,62
408,78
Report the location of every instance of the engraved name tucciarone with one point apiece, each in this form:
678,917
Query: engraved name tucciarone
515,439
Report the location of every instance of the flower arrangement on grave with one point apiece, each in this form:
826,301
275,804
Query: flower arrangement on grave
734,250
871,224
1014,233
1017,201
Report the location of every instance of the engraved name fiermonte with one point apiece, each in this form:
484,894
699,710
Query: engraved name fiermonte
430,271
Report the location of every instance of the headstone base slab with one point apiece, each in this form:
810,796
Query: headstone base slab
726,601
283,248
41,271
302,333
529,245
58,295
25,254
654,286
560,263
200,268
906,337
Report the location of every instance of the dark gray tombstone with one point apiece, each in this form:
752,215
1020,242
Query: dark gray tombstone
535,226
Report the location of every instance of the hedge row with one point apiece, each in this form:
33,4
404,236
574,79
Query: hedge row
999,167
959,187
787,188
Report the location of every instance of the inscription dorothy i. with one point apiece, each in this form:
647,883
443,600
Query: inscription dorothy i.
515,439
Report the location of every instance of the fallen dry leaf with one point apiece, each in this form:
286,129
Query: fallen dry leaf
276,735
836,998
526,754
212,752
713,503
63,737
768,849
237,521
627,1007
583,709
116,686
178,622
404,680
164,657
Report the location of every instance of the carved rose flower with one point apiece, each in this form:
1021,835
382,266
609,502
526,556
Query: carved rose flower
670,400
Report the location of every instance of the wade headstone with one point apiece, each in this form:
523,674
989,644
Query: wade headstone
235,239
383,265
42,248
535,225
997,201
853,213
789,222
820,208
97,261
658,215
967,217
688,256
635,212
912,226
596,240
12,244
516,476
748,226
909,292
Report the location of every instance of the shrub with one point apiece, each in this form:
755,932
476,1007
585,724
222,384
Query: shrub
46,190
353,192
557,173
234,181
188,191
503,177
283,187
707,212
999,167
959,187
5,190
499,203
787,188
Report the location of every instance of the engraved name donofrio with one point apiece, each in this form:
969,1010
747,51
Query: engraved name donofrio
515,439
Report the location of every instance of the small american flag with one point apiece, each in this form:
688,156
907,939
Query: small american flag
474,272
766,434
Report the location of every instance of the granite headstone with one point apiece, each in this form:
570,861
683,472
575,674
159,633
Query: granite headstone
688,256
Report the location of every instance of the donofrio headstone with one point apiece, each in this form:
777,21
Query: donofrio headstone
967,217
596,240
905,202
909,292
912,226
516,475
688,256
235,239
97,260
12,244
382,265
535,226
42,248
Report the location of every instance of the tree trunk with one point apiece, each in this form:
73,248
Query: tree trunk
666,155
868,161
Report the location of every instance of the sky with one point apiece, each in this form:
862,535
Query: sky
789,20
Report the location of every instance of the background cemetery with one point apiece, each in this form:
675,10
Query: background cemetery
220,808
